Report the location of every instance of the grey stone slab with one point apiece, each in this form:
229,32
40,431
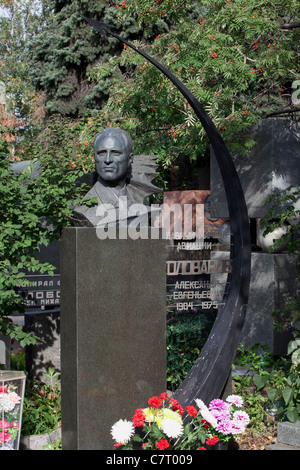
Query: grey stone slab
273,165
5,347
113,337
278,446
272,276
289,433
45,353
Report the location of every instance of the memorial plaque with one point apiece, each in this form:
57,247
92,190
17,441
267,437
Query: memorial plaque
192,276
44,290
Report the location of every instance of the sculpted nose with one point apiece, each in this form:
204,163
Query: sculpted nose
108,158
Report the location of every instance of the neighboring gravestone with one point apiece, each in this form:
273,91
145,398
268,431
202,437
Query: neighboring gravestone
42,315
43,293
113,338
274,165
272,276
45,353
5,347
42,302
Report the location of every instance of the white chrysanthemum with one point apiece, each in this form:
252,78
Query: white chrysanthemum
171,427
200,403
122,431
205,413
5,403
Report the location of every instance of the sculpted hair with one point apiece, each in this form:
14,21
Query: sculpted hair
115,131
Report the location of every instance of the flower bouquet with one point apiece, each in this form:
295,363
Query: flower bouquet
161,426
9,417
223,419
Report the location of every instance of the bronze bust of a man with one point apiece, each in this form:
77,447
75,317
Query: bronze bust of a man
120,176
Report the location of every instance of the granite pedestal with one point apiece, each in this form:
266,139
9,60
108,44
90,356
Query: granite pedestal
113,338
272,276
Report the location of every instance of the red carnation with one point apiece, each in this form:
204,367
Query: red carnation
192,411
176,406
138,418
155,402
162,444
206,424
212,441
163,396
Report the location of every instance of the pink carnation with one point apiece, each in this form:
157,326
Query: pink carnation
14,398
242,417
217,404
237,427
5,436
235,400
224,427
4,424
219,409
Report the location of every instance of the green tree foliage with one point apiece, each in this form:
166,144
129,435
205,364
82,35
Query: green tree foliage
63,52
239,59
19,20
34,207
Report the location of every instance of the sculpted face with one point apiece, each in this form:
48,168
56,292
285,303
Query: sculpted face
111,159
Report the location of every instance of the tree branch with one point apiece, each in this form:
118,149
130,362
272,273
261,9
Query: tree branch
289,26
244,55
284,111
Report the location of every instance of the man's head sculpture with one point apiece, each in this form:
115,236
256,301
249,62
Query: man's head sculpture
117,175
113,156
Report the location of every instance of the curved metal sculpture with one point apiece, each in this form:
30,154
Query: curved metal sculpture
208,376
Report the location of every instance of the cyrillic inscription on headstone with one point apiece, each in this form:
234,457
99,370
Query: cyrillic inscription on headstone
193,284
43,291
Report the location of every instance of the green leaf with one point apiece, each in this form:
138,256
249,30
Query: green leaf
272,394
287,394
202,435
260,381
292,415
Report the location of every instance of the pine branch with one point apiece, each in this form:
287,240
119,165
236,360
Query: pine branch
289,26
296,109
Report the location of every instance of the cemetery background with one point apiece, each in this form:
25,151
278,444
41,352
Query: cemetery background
81,132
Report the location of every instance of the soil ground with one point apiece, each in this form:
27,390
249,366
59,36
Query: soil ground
249,441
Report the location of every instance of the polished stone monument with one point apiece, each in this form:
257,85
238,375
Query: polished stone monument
274,165
113,336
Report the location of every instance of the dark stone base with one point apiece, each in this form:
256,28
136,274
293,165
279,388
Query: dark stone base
113,338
